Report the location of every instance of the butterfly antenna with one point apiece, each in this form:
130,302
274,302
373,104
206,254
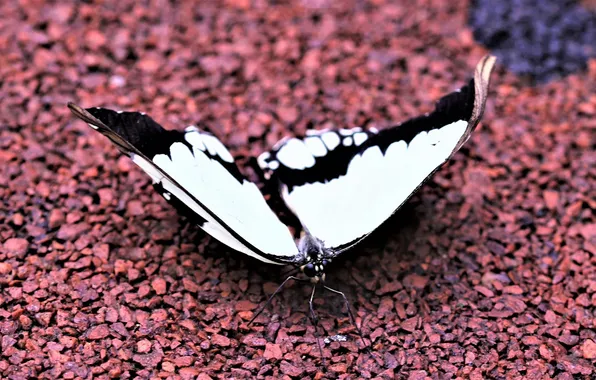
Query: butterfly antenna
273,295
352,319
315,322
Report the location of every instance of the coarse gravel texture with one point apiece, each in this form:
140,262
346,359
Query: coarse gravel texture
488,272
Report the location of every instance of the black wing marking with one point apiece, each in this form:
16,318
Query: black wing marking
147,136
333,147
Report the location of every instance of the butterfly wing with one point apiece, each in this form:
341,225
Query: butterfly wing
195,172
343,184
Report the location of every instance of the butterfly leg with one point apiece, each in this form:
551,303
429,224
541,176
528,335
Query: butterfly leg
271,297
352,319
315,321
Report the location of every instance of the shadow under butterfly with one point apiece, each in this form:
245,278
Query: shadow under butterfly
340,184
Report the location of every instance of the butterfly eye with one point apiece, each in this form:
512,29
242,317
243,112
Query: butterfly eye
324,263
309,270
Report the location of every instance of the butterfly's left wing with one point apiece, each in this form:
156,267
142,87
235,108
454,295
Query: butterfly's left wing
195,172
343,184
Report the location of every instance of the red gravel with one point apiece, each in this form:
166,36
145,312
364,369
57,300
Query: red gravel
490,271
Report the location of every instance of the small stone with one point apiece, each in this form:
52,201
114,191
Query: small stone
149,64
245,305
551,198
159,285
56,218
254,341
513,289
220,340
288,114
18,219
290,369
190,285
184,361
135,208
143,346
98,332
5,268
16,247
95,39
588,349
272,351
148,360
568,339
339,368
410,324
70,232
168,367
484,291
550,317
545,352
415,281
531,340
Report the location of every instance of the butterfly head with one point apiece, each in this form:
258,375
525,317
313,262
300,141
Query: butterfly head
315,258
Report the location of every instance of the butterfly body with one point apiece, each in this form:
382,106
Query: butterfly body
315,257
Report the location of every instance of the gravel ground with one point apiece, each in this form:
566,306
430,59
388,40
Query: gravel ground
488,272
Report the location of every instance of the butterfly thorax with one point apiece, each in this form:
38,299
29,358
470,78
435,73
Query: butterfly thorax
315,257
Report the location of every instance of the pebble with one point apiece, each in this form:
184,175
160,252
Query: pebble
272,351
16,247
98,332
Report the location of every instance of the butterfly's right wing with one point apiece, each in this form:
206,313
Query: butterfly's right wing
194,171
343,184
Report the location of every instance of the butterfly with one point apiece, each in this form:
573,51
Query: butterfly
341,184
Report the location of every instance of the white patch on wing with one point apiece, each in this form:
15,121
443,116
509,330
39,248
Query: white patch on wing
216,148
375,185
194,139
263,159
359,138
331,140
316,146
240,206
295,155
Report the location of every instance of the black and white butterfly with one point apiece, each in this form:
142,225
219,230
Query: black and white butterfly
341,184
